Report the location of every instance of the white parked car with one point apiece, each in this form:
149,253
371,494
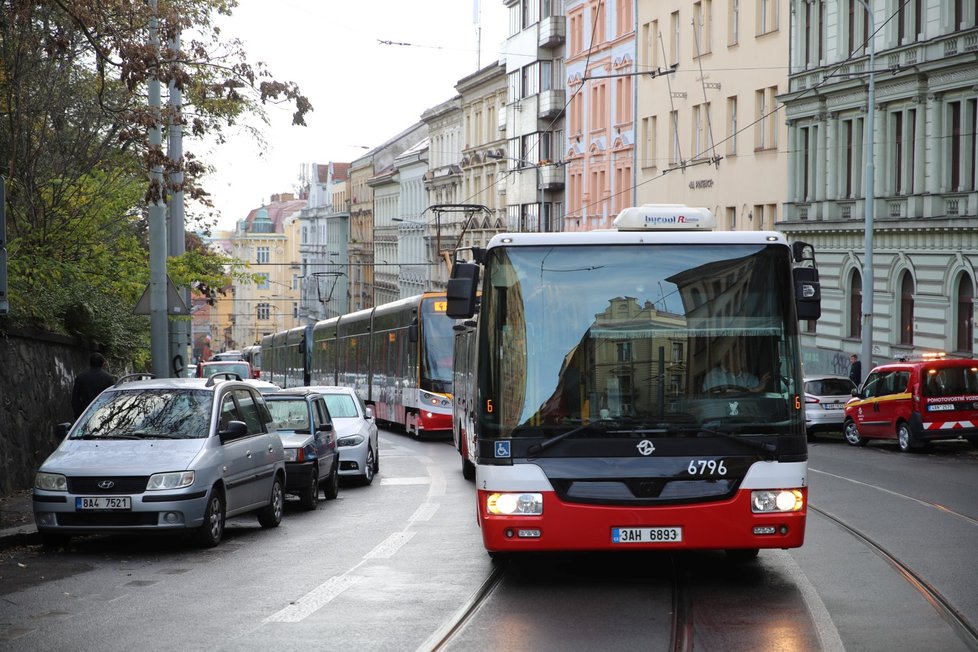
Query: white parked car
356,433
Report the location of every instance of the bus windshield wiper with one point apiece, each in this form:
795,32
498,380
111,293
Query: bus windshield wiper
547,443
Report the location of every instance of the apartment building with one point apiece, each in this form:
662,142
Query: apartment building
601,74
920,58
710,131
532,174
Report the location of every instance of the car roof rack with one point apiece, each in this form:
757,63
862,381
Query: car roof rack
222,376
128,378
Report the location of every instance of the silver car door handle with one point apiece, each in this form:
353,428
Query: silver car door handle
249,454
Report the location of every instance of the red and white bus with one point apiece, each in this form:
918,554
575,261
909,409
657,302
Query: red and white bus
398,358
635,388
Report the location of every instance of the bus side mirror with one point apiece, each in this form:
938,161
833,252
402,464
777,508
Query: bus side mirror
461,291
808,293
413,330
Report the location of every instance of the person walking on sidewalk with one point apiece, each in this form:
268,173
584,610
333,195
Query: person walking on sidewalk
90,383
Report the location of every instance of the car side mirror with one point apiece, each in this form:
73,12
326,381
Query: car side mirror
368,412
235,430
61,430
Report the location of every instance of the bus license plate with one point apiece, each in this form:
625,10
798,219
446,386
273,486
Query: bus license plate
103,502
646,534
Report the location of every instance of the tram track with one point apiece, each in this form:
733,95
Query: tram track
681,631
965,630
440,639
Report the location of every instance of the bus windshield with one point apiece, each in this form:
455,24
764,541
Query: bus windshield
436,354
662,338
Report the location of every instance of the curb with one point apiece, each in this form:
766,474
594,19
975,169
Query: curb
19,536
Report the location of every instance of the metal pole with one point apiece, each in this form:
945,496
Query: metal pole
157,220
870,209
179,328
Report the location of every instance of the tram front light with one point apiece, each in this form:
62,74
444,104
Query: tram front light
776,500
507,504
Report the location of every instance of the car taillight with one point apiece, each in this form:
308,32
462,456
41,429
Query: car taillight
811,399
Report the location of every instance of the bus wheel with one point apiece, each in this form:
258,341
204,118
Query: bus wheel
852,434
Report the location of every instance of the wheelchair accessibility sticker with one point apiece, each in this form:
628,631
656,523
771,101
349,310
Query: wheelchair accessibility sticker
502,449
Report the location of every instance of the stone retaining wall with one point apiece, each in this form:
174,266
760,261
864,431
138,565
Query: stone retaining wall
36,373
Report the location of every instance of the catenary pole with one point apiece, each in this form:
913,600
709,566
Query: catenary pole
179,328
870,209
157,217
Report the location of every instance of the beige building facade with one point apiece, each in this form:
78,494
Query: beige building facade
709,129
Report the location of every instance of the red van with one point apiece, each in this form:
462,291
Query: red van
915,402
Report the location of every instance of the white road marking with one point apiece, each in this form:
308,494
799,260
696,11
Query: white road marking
424,512
314,600
404,481
386,548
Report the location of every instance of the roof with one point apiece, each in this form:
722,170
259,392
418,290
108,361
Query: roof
277,212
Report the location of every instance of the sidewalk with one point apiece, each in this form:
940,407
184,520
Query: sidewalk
17,520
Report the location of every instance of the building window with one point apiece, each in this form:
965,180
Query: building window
962,143
733,26
649,45
624,351
648,142
674,44
677,351
263,312
760,119
732,125
262,282
906,310
674,154
731,218
702,26
263,256
768,15
965,315
855,306
858,27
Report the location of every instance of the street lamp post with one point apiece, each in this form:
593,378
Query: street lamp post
870,210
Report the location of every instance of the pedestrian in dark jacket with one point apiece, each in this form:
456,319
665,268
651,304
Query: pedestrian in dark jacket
855,369
90,383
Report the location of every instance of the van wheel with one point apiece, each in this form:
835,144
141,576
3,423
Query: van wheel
271,514
211,531
905,438
852,434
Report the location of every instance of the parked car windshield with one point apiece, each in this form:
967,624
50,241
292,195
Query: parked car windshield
290,414
341,406
148,414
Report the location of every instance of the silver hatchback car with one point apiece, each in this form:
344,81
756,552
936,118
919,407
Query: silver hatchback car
826,396
163,455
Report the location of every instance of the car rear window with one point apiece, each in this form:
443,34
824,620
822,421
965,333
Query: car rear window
148,414
830,387
289,414
950,381
341,406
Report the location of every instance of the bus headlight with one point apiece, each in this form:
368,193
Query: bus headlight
776,500
508,504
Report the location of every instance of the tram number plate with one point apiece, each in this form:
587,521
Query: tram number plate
646,534
103,502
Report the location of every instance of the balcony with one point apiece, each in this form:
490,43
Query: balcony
552,176
551,103
552,31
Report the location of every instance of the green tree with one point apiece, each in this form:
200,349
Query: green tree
75,150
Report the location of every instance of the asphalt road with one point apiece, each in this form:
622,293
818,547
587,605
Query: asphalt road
394,566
